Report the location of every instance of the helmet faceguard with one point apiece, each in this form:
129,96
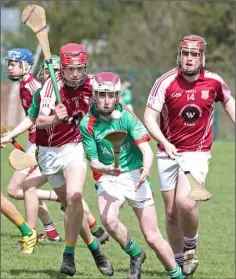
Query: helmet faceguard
195,46
73,56
44,66
106,85
22,56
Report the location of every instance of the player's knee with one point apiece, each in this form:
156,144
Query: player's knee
74,197
172,217
110,223
185,206
152,237
12,192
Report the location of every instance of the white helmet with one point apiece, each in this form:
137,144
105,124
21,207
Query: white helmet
106,82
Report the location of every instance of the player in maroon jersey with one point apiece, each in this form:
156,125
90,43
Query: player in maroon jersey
18,65
183,99
61,156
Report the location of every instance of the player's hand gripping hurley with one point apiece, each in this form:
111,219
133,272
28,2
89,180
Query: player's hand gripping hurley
116,138
197,192
13,141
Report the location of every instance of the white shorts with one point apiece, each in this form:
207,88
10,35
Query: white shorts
123,186
30,148
53,160
168,170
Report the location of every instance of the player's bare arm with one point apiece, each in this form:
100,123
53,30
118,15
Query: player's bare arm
229,107
150,120
27,123
148,156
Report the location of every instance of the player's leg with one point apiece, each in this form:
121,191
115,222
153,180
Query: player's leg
102,262
96,230
29,236
68,185
14,188
197,163
149,226
109,203
143,205
35,207
168,174
189,222
173,227
51,233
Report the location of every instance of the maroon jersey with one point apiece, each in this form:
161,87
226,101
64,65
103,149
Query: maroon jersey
27,89
187,108
77,102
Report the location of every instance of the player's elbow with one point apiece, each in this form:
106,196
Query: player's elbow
148,118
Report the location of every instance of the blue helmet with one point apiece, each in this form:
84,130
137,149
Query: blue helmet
24,57
20,55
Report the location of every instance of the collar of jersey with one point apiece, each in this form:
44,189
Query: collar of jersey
23,82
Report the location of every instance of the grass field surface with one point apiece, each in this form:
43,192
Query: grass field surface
216,231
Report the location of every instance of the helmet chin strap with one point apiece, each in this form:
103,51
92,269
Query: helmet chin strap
24,73
190,73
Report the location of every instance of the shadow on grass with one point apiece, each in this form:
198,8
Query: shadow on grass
49,272
145,273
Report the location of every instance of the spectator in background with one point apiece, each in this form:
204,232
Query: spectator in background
127,93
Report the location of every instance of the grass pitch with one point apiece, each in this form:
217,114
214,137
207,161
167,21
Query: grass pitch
216,231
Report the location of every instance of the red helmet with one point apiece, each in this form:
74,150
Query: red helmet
192,43
73,54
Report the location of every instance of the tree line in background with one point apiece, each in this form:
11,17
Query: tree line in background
140,38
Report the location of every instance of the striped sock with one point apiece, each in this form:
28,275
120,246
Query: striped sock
176,273
94,226
190,243
51,230
132,248
179,258
53,196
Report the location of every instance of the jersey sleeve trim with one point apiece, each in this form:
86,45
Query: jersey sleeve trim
91,123
146,138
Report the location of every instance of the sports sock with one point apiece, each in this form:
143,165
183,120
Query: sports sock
24,228
94,226
53,197
70,248
131,248
190,243
179,258
93,245
50,230
176,273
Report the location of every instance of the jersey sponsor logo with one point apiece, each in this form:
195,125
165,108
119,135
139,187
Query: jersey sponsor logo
125,146
190,113
176,95
46,102
205,94
191,91
106,150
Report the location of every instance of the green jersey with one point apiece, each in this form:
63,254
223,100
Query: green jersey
126,96
33,111
94,129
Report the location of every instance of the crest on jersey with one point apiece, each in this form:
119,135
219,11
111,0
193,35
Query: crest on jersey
205,94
